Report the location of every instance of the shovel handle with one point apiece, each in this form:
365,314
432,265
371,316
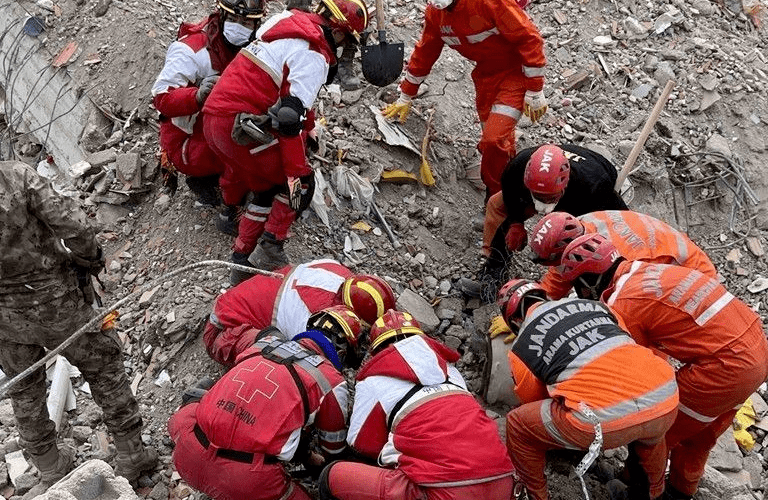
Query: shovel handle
380,15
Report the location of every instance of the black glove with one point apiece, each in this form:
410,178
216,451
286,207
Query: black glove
288,116
300,191
205,88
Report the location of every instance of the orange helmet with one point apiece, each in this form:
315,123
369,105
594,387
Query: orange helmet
547,173
369,296
551,235
511,297
349,16
342,327
391,325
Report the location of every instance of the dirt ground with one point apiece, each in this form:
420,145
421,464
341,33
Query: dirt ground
597,93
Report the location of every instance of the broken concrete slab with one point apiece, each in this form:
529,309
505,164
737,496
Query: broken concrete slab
94,480
413,303
726,456
101,158
128,167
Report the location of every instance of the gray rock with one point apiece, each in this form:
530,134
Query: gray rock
419,308
161,203
6,413
642,91
726,456
717,483
754,466
81,433
719,144
452,342
93,479
129,168
664,72
3,475
26,482
458,332
101,158
159,492
482,317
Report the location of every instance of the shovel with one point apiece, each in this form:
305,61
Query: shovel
382,63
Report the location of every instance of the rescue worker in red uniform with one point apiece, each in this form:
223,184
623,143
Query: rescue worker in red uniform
688,317
232,444
257,116
508,53
412,412
636,236
192,66
565,178
576,369
287,303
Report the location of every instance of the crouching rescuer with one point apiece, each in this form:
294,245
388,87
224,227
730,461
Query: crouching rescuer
585,385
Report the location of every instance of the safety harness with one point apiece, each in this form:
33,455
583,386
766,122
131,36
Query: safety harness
416,388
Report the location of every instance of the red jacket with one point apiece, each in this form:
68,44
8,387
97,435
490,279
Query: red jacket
199,52
637,237
435,433
257,407
290,57
498,36
261,301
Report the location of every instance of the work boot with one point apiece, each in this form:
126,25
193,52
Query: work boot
197,391
54,464
133,457
269,254
205,189
671,493
347,77
237,276
226,222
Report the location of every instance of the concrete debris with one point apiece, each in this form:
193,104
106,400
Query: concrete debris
419,308
17,465
95,480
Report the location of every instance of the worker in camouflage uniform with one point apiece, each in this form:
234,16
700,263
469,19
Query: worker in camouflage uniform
48,253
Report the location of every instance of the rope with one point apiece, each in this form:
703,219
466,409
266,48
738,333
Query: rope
4,388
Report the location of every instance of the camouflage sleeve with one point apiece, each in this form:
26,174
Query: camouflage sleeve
62,214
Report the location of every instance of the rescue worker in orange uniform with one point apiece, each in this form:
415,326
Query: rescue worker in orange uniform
580,376
636,236
508,53
691,318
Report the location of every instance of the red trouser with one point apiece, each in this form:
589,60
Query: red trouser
190,154
499,100
710,394
356,481
529,437
223,478
260,172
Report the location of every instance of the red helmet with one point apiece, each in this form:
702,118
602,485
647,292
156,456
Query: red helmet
511,297
591,253
552,234
343,328
393,324
369,296
349,16
546,173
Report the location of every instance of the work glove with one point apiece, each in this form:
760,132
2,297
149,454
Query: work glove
204,89
516,237
249,129
535,104
398,109
299,188
500,327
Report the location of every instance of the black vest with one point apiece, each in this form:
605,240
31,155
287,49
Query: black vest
557,332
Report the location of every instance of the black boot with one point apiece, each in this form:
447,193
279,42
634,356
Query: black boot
227,220
236,276
269,254
205,189
670,493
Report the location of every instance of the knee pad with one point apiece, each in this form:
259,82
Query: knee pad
323,482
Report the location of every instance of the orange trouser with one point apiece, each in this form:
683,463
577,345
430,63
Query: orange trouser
499,98
357,481
529,437
710,394
495,215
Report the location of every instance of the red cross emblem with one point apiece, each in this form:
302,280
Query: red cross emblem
255,380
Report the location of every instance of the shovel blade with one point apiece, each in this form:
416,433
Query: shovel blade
382,63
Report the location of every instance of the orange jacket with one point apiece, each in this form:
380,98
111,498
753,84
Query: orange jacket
497,35
680,311
573,351
637,237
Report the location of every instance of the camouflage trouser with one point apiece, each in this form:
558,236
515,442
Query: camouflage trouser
23,335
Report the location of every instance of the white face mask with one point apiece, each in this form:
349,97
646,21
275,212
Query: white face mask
441,4
543,208
237,34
